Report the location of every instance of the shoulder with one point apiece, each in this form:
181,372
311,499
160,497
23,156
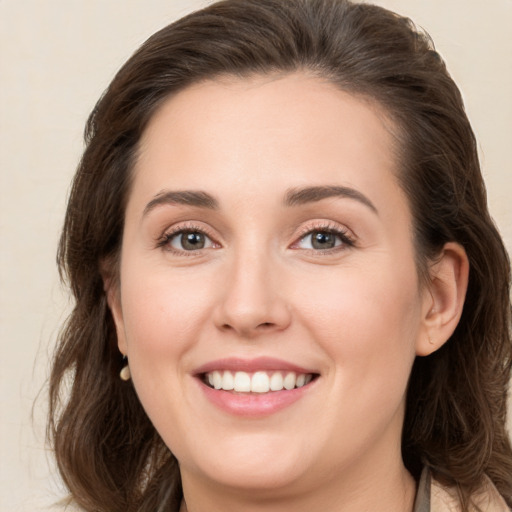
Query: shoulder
445,499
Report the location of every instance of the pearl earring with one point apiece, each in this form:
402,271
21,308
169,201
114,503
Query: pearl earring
125,371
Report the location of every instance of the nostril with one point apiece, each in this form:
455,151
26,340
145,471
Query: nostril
264,326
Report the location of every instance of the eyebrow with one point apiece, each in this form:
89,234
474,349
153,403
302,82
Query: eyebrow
183,197
293,197
299,196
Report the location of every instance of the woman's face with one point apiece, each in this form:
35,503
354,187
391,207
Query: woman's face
268,244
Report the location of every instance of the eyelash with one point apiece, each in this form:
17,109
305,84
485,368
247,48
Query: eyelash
344,235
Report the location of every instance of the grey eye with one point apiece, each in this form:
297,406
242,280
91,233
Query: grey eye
190,241
319,240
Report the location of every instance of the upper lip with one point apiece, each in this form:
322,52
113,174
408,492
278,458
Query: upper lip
251,365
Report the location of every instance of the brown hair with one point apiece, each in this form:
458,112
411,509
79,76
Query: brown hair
108,452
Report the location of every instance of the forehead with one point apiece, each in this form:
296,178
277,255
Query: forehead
268,101
266,133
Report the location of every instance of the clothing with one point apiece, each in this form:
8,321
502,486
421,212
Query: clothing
435,497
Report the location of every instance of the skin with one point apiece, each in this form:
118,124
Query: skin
355,314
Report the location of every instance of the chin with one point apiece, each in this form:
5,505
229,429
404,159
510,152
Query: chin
271,478
252,465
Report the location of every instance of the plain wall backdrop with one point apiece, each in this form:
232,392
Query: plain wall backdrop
56,57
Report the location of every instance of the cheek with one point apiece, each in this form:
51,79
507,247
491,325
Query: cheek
367,323
162,312
367,320
164,316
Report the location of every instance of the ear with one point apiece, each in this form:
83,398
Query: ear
443,298
112,291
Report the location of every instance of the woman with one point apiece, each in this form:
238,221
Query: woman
289,291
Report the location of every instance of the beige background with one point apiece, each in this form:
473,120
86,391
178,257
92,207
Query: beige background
56,58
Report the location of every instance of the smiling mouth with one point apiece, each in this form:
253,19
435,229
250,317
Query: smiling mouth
256,382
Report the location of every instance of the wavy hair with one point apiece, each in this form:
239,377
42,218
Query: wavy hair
108,452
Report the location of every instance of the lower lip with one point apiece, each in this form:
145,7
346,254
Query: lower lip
254,404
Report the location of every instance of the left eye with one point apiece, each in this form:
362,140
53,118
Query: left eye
189,241
321,239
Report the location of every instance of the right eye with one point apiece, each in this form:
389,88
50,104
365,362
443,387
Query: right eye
188,240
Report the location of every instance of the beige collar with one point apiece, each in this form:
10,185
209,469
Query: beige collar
435,497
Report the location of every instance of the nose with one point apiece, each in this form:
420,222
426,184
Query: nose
252,301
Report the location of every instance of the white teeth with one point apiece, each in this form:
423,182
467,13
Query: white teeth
260,383
257,382
242,382
217,380
276,382
289,380
228,382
